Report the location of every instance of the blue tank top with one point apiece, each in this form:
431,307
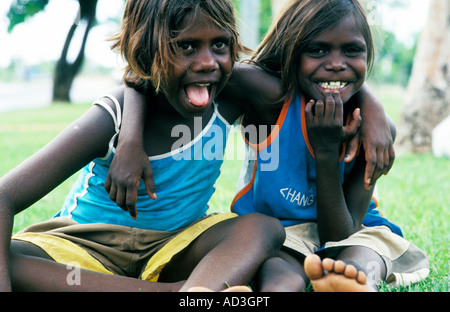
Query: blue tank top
278,177
184,180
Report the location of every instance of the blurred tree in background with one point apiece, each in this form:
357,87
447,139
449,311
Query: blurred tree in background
394,60
427,99
65,71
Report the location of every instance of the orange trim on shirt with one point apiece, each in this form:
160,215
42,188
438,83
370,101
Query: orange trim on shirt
275,131
257,147
375,199
246,188
305,132
376,202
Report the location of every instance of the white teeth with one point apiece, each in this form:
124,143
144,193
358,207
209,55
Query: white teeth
333,85
203,84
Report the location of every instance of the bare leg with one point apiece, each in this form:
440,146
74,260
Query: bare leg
33,270
228,254
282,274
230,289
366,260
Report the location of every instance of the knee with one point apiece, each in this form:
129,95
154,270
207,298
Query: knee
273,264
277,275
267,229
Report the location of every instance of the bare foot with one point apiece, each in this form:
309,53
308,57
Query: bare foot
334,276
229,289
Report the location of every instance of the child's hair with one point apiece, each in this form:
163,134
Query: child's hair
301,22
149,32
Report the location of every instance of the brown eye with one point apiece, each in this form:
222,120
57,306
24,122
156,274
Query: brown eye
354,52
316,51
219,45
185,47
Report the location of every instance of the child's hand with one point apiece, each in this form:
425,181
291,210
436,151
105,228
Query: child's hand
123,178
324,122
379,151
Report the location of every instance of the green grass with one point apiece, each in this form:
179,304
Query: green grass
414,195
22,133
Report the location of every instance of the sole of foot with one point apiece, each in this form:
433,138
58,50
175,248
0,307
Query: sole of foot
328,275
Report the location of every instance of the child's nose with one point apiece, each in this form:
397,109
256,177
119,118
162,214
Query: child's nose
336,62
205,61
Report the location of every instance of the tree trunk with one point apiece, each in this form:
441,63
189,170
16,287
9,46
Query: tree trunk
249,28
277,6
65,71
427,101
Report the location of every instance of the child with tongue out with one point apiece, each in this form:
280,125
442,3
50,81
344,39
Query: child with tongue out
198,94
321,51
182,53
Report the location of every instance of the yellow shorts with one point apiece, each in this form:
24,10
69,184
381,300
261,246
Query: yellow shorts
114,249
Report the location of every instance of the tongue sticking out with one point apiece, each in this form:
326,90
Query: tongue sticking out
198,95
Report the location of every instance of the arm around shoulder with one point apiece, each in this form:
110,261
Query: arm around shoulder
131,162
377,135
254,91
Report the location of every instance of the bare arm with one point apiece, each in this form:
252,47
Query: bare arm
340,208
130,162
253,92
377,134
84,140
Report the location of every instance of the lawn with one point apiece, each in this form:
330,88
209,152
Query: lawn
415,194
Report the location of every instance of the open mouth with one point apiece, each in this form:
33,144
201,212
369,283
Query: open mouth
333,85
199,94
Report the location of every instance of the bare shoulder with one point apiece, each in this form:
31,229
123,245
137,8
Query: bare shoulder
114,98
254,92
253,81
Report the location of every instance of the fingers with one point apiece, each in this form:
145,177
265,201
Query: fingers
131,199
337,107
331,103
309,116
354,143
391,158
123,188
108,183
352,128
149,181
319,109
369,172
352,148
125,198
378,162
329,110
374,167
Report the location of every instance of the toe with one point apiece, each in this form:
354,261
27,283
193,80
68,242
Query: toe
313,267
351,271
328,264
361,278
339,266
